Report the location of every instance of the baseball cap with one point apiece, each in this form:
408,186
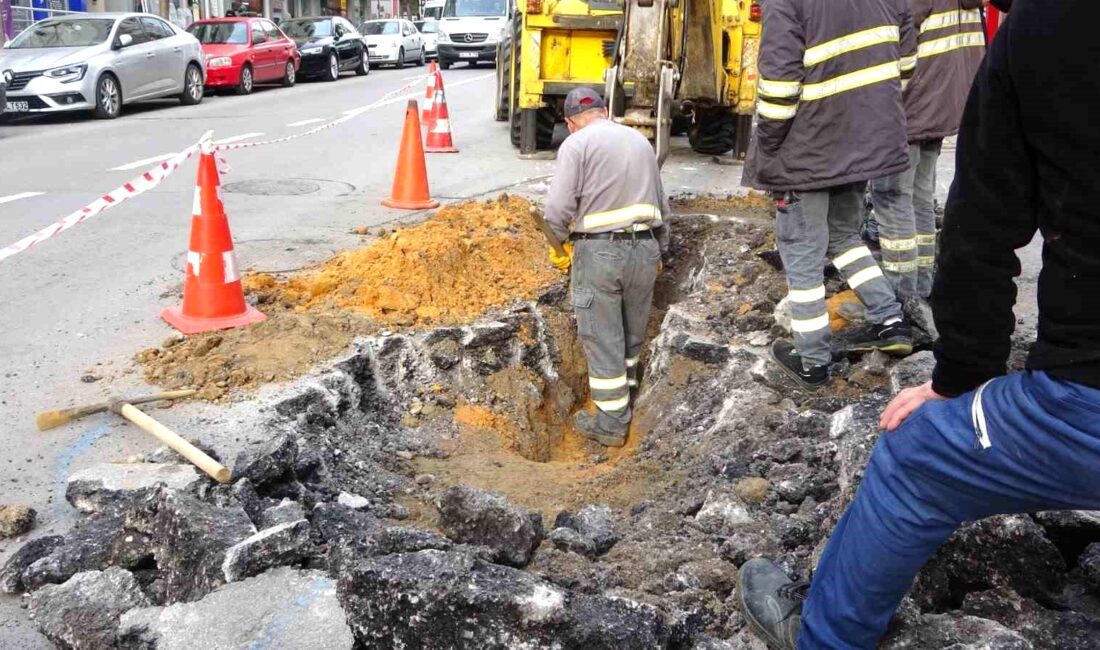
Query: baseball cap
582,99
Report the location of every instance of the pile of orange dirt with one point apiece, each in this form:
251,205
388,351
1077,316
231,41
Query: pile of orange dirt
468,258
755,204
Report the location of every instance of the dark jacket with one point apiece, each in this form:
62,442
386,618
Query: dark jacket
1027,160
950,46
830,107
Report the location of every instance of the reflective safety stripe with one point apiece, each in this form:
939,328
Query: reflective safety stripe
229,263
806,325
196,205
926,240
607,384
806,295
851,81
631,362
627,215
850,43
849,256
904,84
781,89
898,244
859,277
195,260
612,404
900,267
926,261
950,19
775,111
907,63
950,44
633,383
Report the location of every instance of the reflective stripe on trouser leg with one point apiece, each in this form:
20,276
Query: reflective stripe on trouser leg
924,188
632,372
893,200
852,258
802,235
639,277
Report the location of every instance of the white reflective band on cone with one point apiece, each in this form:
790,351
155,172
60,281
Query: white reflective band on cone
612,405
195,260
607,384
859,277
849,256
196,206
806,325
806,295
442,125
229,261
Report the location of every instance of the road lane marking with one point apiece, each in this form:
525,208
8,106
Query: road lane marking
142,163
243,136
305,122
415,95
21,195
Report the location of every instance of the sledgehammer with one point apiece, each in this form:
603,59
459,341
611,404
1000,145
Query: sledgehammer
125,408
551,238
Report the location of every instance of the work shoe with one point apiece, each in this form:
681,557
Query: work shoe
588,425
895,339
785,354
771,603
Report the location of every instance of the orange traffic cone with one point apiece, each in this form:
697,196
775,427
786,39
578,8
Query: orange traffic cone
410,183
439,133
429,95
212,295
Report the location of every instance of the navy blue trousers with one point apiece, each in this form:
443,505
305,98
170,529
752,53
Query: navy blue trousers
1022,443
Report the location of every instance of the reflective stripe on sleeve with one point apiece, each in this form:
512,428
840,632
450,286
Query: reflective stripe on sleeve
950,19
612,404
898,244
607,384
807,325
907,63
806,295
864,275
779,89
851,81
850,43
950,44
625,216
849,256
776,111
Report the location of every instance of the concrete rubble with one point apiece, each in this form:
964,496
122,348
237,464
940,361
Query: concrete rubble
330,530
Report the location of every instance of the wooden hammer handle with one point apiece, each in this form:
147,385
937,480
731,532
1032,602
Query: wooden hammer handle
551,238
47,420
192,453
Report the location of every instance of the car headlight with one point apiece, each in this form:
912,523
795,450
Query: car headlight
219,62
311,50
443,38
68,74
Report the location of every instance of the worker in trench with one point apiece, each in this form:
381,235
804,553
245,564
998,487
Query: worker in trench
950,46
976,442
607,203
829,119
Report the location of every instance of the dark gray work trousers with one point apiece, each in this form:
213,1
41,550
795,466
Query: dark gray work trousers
612,294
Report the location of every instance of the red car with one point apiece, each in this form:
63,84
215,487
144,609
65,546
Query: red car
243,52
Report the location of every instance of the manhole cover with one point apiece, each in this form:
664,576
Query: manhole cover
273,187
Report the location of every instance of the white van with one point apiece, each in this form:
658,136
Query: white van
469,31
433,9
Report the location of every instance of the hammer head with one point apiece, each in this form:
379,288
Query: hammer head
115,404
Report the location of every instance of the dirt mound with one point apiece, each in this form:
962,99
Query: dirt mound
468,258
753,204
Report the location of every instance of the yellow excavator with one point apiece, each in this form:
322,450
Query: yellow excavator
664,66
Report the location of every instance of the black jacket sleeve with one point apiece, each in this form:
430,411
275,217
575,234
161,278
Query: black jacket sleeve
991,211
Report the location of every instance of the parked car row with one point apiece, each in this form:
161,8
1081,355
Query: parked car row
101,62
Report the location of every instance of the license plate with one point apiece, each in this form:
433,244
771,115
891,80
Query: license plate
18,107
467,55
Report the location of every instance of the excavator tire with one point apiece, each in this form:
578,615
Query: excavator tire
544,119
714,134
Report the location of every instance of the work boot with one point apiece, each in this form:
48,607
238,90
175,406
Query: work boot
772,603
785,354
588,425
895,339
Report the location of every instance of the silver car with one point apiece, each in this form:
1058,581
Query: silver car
99,62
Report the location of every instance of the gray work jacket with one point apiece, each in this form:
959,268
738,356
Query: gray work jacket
950,46
829,108
606,178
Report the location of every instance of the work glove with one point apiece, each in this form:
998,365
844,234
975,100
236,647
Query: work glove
562,262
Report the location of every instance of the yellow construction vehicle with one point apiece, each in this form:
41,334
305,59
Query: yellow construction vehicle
550,48
688,63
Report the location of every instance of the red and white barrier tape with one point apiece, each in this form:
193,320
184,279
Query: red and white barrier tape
154,176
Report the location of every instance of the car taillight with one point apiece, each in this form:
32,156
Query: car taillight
534,6
754,12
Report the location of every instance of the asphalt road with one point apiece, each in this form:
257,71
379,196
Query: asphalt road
85,301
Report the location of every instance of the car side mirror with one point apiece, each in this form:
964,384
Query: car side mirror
124,40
